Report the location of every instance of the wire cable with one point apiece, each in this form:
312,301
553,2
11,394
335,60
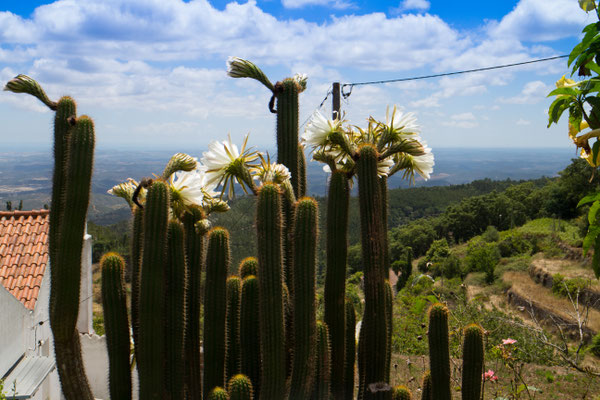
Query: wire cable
347,93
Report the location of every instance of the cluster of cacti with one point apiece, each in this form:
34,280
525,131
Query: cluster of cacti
262,324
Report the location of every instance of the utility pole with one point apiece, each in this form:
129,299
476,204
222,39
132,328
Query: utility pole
335,106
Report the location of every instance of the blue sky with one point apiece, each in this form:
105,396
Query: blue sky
152,72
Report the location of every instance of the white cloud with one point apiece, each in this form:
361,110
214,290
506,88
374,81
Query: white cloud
338,4
533,92
523,122
420,5
540,20
463,120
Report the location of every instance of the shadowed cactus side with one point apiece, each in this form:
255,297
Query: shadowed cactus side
350,350
439,354
304,326
233,361
116,324
426,389
270,261
338,201
215,308
151,349
322,384
473,355
249,328
240,388
218,393
175,296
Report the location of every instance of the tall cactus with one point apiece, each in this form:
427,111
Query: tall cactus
270,261
175,295
375,319
335,280
249,330
233,361
350,350
472,370
304,328
151,349
73,160
66,276
215,308
322,385
439,355
218,393
286,93
240,388
194,247
114,304
389,301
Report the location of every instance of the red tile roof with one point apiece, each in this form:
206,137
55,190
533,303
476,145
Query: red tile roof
23,253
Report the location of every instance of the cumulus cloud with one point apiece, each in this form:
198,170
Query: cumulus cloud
419,5
338,4
533,92
463,120
540,20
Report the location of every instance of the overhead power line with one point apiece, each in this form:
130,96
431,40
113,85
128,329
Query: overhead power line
467,71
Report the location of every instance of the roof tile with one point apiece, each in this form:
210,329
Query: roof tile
24,253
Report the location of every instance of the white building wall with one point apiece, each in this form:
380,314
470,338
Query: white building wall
14,323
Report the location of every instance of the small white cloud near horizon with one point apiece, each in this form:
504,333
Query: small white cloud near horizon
522,122
463,120
419,5
337,4
533,92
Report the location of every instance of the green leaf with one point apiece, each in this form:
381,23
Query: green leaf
590,238
587,5
595,148
564,91
589,198
593,66
556,109
521,388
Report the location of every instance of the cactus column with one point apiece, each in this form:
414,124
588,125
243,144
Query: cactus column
249,328
304,327
233,361
472,369
270,261
350,350
439,355
335,279
215,309
114,304
66,265
374,336
151,349
194,245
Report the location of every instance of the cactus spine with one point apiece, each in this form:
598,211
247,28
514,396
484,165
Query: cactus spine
233,362
248,266
240,388
472,369
375,321
439,357
249,328
335,279
215,308
426,389
194,247
304,327
151,357
114,304
270,261
175,295
401,393
350,350
286,93
322,386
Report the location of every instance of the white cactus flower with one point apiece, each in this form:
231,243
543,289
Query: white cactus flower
188,187
401,124
319,128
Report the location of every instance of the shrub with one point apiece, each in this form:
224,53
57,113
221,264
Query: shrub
514,244
595,346
483,257
565,287
491,234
